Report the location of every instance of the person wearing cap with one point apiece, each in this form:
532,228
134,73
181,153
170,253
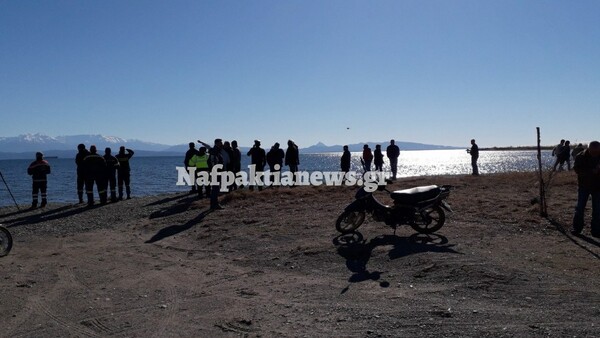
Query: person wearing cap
112,164
188,156
81,154
258,159
38,170
124,171
95,172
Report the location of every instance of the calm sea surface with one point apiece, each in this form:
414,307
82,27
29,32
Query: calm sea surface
153,175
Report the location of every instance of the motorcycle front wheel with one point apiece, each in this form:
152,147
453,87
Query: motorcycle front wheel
349,221
5,241
429,220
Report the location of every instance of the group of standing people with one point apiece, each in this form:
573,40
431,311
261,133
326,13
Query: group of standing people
229,156
563,154
376,158
103,171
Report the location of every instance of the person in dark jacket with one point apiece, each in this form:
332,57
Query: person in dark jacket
474,151
258,159
112,164
578,149
81,154
565,156
275,157
188,156
95,172
38,170
587,167
378,158
124,171
345,162
367,158
236,161
392,153
292,157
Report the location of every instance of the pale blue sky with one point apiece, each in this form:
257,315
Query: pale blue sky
438,72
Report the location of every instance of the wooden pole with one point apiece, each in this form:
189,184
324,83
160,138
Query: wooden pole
543,210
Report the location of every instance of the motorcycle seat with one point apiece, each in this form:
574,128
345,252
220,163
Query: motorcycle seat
416,194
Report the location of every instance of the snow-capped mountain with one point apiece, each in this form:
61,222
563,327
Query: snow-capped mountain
41,142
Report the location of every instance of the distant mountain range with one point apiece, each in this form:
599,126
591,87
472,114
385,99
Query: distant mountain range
23,146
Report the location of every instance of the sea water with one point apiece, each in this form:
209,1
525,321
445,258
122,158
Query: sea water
155,175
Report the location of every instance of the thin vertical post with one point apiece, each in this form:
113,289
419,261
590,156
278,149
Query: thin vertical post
543,209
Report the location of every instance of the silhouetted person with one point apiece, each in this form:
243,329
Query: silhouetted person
275,157
378,158
258,158
124,171
216,155
292,157
367,158
81,154
474,151
188,156
557,151
587,167
345,162
112,164
200,162
38,170
95,172
577,150
393,152
227,148
565,156
236,160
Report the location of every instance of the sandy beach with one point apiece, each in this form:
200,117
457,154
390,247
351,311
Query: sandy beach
272,264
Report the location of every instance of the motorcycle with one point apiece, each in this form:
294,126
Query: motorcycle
423,208
5,241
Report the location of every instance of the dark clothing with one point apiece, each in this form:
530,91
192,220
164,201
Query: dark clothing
587,168
474,157
236,160
39,170
576,151
215,157
292,156
124,160
275,156
80,172
95,172
378,160
392,151
112,164
345,161
124,172
258,157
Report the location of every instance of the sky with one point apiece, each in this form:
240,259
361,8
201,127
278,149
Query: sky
340,72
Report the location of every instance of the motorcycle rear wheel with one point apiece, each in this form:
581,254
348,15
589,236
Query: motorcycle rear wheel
430,220
349,221
5,241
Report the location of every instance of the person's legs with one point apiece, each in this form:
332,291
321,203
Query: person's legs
43,189
596,213
582,198
34,194
127,180
80,185
474,165
89,190
120,184
394,166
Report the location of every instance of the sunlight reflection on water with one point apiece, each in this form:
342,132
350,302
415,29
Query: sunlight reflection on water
438,162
